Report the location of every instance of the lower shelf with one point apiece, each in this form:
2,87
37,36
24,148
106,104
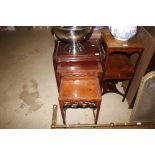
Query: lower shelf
119,67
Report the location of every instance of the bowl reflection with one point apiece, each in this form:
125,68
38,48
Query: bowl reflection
73,35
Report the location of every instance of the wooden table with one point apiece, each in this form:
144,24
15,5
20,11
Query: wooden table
79,92
79,77
117,64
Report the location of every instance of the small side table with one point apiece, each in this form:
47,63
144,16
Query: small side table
79,92
117,65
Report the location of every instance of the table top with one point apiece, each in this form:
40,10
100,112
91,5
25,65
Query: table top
92,50
80,89
111,42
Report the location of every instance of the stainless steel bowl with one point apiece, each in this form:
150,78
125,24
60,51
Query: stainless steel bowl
73,36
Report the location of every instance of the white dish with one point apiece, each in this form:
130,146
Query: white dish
123,33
